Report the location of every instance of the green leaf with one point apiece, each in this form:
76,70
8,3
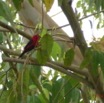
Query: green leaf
75,97
26,79
31,2
87,59
46,43
72,94
17,4
95,63
78,4
60,2
98,4
57,92
5,11
47,86
44,31
48,4
40,96
56,51
69,56
101,60
42,56
31,87
36,70
33,99
44,52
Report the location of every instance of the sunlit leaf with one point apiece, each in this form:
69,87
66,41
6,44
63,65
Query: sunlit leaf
56,51
48,4
46,44
44,31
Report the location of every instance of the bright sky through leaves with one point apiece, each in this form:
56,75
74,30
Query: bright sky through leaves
60,19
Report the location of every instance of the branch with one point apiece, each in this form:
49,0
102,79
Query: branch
72,68
11,29
79,38
49,64
3,48
56,67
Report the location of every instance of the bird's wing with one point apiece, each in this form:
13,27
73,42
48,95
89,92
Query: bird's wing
29,46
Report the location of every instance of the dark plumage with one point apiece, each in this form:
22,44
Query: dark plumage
31,44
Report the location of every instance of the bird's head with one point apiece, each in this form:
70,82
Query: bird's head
36,37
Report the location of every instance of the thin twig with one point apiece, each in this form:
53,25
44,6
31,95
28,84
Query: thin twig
49,29
56,14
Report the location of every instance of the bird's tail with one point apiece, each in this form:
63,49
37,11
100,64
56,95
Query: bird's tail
21,54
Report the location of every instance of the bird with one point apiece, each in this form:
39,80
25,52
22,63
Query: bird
34,42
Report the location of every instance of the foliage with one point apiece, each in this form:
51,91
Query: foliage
48,75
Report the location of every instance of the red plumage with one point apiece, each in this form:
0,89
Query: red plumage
34,42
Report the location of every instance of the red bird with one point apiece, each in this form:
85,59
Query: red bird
34,42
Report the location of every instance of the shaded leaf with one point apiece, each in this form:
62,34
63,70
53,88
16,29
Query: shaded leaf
42,56
47,86
44,52
72,95
101,60
17,4
31,2
36,70
5,11
57,93
33,99
87,59
69,56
